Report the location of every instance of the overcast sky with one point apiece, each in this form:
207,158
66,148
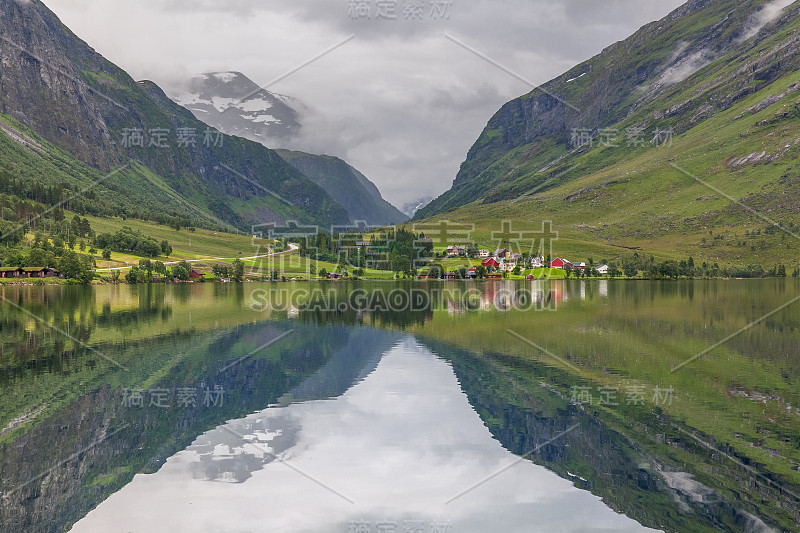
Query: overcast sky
399,101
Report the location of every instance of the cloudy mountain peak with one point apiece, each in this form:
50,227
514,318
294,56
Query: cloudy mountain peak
233,103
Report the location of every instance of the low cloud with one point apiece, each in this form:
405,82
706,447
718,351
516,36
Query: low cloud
768,13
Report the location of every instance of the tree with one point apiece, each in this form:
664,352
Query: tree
480,272
147,266
517,270
106,254
166,249
180,272
75,266
133,275
160,268
629,270
238,270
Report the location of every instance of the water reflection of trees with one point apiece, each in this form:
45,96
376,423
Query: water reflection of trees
119,441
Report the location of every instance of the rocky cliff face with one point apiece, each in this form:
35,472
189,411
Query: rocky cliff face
56,85
677,72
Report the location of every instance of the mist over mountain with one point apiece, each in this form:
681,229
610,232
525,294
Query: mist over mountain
235,105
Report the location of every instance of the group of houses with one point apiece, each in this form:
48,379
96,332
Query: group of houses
29,272
503,260
568,265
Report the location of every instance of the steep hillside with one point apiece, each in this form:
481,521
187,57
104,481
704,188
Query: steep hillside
347,186
91,112
709,89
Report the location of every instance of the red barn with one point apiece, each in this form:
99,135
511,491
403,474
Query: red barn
560,263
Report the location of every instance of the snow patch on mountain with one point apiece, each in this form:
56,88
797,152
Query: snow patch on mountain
226,77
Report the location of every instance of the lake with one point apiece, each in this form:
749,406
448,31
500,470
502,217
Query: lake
564,405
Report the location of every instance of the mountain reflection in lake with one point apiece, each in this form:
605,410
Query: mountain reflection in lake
391,451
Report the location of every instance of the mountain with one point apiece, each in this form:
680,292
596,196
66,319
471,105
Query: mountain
234,104
76,124
647,140
347,186
410,209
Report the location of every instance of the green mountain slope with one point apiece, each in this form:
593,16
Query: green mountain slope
92,112
688,114
347,186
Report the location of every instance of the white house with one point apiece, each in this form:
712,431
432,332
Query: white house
603,270
507,266
484,253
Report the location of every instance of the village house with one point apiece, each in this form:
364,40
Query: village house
603,270
482,254
29,272
501,253
537,262
560,263
9,272
456,250
508,266
490,263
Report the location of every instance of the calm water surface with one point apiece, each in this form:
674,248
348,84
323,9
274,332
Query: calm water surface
499,406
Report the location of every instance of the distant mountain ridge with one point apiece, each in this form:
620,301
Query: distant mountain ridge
347,186
91,118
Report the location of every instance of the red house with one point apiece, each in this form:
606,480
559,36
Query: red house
560,263
491,262
195,274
